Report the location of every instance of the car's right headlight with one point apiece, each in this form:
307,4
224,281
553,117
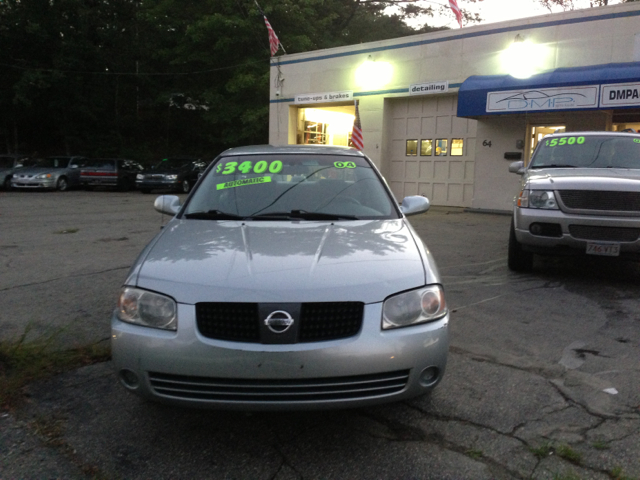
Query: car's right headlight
139,176
544,199
411,308
148,309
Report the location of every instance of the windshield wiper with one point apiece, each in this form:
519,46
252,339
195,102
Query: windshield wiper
302,215
213,215
553,165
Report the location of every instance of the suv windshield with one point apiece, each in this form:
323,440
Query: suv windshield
173,163
291,186
101,163
588,151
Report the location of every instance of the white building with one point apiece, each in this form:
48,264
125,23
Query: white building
443,113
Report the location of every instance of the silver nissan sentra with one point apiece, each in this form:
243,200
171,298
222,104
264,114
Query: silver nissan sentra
289,279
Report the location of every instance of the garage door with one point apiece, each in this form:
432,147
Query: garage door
431,151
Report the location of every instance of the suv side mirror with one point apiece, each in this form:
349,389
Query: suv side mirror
517,167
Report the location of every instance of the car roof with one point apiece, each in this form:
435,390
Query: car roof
593,133
292,149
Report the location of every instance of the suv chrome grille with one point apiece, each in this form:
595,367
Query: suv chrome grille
601,200
605,234
240,322
279,390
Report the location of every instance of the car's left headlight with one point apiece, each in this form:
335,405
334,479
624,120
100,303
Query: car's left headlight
43,175
417,306
139,176
544,199
148,309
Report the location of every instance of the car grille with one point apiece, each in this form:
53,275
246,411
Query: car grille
606,234
597,200
241,321
276,390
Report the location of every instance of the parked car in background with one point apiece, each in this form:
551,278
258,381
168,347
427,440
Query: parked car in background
290,279
176,173
110,172
580,195
51,173
9,163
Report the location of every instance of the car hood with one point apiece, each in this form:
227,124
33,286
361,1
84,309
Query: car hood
232,261
32,171
164,171
604,179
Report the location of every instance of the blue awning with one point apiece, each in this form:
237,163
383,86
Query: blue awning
577,88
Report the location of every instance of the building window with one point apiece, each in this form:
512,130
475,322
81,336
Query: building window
457,146
426,147
441,147
412,147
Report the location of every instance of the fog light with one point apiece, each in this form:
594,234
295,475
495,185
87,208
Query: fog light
129,379
429,376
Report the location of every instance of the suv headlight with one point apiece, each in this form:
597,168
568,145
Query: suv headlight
171,177
544,199
140,176
411,308
148,309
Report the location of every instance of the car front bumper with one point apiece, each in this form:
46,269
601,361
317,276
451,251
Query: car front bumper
373,367
577,231
33,183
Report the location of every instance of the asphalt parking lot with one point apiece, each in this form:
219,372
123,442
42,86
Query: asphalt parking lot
543,380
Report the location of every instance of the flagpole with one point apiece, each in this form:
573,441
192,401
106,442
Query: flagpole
271,30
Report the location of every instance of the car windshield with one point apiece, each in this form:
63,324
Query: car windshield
588,151
276,187
172,163
101,163
54,162
6,162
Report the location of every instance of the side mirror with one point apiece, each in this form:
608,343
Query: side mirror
517,167
169,204
414,205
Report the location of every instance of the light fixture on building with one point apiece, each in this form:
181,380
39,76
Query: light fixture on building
372,75
523,58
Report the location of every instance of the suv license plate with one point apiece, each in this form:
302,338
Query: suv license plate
606,249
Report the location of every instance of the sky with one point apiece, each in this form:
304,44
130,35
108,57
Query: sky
498,10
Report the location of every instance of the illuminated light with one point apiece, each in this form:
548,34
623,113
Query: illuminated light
373,75
523,59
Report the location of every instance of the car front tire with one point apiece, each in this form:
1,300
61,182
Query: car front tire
186,186
518,259
62,184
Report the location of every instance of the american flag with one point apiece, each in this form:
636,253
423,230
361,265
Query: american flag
456,11
274,43
356,134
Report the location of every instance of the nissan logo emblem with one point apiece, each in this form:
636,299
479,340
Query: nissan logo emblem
279,321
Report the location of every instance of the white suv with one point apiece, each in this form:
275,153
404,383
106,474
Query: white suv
580,195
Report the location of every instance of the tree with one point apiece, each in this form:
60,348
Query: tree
144,78
571,4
